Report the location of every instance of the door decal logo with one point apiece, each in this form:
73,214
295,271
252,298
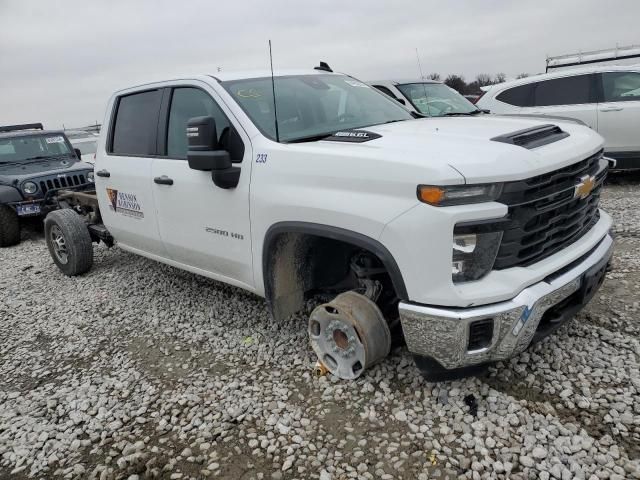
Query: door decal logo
124,203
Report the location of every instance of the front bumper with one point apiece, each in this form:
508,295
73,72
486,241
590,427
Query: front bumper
442,334
44,204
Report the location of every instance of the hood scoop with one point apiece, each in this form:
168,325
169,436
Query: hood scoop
353,136
533,137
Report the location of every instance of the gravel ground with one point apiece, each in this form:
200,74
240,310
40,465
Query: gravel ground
138,370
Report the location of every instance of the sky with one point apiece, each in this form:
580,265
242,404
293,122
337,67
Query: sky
61,60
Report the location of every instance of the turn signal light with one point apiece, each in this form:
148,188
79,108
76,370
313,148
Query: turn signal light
430,195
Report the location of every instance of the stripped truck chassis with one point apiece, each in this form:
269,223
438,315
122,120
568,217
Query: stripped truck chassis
86,205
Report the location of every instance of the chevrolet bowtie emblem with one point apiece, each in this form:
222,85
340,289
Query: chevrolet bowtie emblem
584,188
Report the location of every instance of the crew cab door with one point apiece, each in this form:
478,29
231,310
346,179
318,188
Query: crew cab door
619,112
203,226
123,172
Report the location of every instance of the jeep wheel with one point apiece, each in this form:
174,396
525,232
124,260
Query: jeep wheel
9,227
69,242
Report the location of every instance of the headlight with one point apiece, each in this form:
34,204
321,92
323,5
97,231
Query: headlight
90,177
29,188
458,194
473,255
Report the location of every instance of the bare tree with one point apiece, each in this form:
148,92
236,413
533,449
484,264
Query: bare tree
457,83
499,78
522,75
434,76
483,79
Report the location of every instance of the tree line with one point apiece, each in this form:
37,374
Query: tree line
457,82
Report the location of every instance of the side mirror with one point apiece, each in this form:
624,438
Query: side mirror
78,153
204,153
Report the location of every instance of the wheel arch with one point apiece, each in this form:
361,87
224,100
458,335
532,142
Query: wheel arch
9,194
286,240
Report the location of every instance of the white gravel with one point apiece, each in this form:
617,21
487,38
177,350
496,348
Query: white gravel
138,370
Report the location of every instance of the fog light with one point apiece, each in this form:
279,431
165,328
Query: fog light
473,255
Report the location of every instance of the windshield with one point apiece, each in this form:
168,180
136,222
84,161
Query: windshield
313,105
18,149
436,99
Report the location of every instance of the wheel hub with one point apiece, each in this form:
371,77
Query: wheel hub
349,334
59,245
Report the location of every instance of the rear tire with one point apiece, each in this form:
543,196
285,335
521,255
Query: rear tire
9,227
69,242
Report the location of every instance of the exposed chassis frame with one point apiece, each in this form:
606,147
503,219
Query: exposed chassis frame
86,204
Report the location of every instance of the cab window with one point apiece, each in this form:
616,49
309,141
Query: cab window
186,103
621,86
135,124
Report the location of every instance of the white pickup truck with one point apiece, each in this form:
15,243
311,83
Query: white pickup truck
471,237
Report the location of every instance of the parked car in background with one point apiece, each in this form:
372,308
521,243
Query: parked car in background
427,97
605,98
87,145
34,164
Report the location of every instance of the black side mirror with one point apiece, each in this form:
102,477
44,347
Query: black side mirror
204,153
78,153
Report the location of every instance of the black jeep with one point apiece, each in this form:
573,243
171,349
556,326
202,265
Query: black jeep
34,165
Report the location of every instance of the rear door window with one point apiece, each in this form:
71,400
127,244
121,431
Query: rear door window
136,124
521,96
621,86
574,90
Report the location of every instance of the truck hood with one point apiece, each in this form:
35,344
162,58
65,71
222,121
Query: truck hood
469,145
12,173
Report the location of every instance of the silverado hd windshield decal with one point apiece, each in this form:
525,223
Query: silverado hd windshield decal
125,203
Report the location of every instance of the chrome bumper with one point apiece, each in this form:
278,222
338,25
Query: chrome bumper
443,333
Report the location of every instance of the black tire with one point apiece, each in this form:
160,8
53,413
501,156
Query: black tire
69,242
9,227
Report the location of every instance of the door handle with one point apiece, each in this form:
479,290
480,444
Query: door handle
611,109
103,173
163,180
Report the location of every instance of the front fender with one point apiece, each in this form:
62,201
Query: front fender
287,271
9,194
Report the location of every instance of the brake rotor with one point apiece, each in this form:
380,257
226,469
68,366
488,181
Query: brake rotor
349,334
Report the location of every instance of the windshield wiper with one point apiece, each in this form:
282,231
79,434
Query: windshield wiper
458,114
312,138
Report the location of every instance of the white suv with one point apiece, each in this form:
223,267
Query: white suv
605,98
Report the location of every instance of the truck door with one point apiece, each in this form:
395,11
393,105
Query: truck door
123,172
203,226
619,112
